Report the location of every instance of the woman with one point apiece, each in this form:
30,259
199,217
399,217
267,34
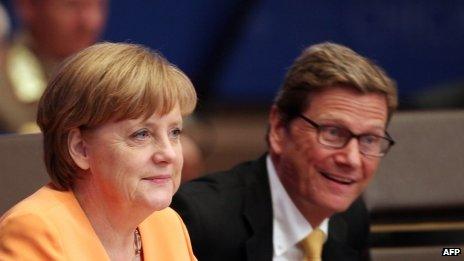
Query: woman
111,120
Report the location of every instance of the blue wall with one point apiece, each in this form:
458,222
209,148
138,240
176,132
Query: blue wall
238,51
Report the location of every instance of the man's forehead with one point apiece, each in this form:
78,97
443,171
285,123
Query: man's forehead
345,106
344,118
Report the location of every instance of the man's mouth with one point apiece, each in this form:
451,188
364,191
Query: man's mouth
338,179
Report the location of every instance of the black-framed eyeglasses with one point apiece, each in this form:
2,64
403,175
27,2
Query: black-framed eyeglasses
337,137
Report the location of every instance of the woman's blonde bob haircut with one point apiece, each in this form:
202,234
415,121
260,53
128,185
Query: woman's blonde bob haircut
102,83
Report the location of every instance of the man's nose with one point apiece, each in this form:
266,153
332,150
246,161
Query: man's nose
350,154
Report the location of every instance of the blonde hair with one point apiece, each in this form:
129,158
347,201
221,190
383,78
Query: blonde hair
106,81
327,65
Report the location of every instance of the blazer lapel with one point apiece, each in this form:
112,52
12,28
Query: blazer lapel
336,247
257,213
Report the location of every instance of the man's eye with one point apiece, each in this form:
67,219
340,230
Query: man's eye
370,139
141,134
334,132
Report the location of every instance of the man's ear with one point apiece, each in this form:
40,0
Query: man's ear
78,149
277,131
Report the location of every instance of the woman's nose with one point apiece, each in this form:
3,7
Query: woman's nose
165,152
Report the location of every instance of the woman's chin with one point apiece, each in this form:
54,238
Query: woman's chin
155,197
158,201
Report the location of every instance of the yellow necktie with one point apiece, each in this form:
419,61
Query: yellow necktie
312,245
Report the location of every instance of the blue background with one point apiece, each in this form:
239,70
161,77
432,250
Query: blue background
237,52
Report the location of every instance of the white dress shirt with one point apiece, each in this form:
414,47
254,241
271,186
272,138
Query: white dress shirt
289,225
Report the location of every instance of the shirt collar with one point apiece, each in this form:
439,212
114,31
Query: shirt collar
289,225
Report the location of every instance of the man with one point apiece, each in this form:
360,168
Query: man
51,30
327,133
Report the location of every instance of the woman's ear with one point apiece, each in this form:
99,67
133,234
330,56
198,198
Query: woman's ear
78,149
276,131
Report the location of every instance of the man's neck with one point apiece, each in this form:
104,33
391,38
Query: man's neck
313,214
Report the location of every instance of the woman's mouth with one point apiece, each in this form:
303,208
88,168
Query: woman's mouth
159,179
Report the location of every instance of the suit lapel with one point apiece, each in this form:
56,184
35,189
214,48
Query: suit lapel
257,213
336,247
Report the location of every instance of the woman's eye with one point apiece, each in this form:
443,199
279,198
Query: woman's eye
141,134
175,133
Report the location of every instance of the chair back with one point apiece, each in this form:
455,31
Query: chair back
22,170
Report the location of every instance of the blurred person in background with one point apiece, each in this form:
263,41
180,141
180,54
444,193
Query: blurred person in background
4,31
50,31
111,119
194,161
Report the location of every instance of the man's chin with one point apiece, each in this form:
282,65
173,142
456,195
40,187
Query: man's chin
338,204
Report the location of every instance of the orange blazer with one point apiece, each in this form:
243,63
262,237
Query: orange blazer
51,225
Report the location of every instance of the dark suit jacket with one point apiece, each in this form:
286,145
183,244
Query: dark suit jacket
229,217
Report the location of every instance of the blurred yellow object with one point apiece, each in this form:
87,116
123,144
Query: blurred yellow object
29,128
25,72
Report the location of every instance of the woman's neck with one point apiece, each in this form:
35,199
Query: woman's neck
113,222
